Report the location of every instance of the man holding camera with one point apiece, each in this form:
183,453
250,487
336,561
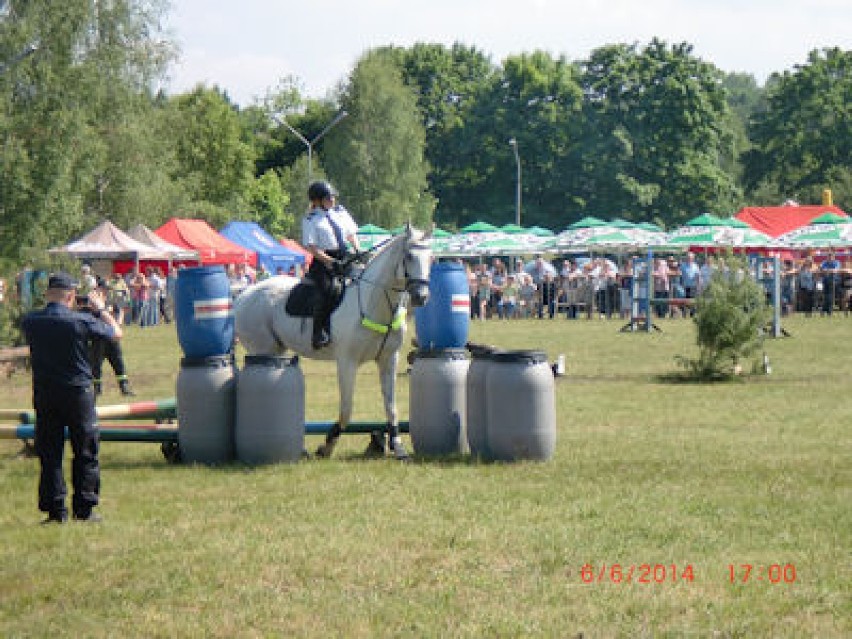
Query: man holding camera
59,336
325,231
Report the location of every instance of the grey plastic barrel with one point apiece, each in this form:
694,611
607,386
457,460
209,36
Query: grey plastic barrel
476,404
521,407
270,423
436,415
206,388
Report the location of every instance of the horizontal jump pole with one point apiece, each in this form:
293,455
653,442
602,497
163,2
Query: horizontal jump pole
113,433
158,433
157,409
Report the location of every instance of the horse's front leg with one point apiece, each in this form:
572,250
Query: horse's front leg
346,371
387,375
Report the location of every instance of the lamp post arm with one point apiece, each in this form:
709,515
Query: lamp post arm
310,143
25,53
280,120
330,125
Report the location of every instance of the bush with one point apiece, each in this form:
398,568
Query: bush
730,315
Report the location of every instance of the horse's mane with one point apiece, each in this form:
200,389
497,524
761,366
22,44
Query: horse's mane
392,242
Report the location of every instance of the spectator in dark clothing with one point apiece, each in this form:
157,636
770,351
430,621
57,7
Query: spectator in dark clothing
110,350
830,270
59,338
547,296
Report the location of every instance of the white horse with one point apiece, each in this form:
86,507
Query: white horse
369,324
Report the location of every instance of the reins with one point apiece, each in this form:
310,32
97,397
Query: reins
398,311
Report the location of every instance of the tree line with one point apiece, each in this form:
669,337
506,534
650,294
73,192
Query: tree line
641,131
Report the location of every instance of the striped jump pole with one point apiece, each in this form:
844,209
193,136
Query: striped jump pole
160,433
156,409
109,432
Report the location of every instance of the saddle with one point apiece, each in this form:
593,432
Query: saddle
302,298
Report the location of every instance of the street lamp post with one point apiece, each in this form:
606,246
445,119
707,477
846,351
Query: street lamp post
310,143
25,53
514,144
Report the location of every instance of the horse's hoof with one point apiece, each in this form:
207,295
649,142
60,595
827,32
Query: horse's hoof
374,452
399,452
324,451
376,447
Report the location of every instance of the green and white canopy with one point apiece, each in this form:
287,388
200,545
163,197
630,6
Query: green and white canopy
826,231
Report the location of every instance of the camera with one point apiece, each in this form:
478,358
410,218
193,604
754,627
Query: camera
83,303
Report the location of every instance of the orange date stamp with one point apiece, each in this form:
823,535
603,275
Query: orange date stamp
637,573
657,573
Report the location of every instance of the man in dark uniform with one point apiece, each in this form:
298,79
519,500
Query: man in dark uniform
324,233
109,349
59,339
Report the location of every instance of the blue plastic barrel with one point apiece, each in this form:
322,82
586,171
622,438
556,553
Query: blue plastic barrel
204,311
445,320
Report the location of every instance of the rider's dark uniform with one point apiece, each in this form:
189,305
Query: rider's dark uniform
62,396
322,230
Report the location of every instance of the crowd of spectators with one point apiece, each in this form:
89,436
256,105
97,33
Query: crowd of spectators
147,295
509,288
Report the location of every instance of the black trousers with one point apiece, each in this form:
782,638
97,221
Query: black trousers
110,350
323,302
56,408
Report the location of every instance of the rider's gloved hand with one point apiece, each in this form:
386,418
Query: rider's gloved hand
338,267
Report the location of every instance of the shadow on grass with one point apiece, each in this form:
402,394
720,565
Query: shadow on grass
236,467
683,377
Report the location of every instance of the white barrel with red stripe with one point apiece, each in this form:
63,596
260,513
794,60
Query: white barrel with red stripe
204,311
444,322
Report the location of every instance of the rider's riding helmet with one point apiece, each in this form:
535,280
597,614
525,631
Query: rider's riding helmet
320,191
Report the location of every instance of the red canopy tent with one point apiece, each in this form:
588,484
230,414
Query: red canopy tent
293,245
777,220
212,248
173,255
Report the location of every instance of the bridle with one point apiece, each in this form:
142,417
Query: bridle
410,282
397,310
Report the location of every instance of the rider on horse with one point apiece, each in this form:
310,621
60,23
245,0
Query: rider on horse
325,230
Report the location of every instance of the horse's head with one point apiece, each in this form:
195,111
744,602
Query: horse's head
416,264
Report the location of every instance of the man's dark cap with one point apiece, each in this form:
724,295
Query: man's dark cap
63,281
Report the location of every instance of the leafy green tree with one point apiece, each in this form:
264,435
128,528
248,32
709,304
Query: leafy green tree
267,200
535,99
215,166
448,83
375,156
744,98
657,134
75,123
294,182
803,136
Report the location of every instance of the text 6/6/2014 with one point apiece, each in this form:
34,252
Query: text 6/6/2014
637,573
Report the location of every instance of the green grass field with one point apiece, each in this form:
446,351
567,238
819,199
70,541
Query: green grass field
688,477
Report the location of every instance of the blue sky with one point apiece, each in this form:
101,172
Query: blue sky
246,46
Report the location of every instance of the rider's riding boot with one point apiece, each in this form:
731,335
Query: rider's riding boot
321,336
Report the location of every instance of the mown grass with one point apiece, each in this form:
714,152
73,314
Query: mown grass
646,472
